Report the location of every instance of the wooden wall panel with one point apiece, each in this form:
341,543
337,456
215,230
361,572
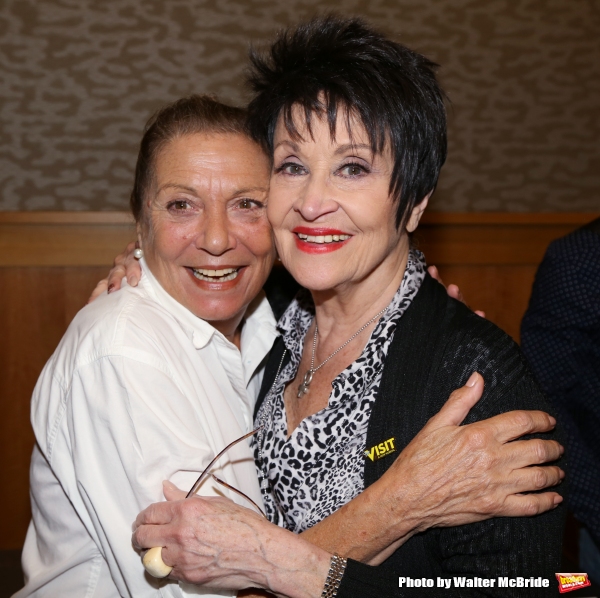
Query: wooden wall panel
50,262
36,306
501,291
63,239
493,257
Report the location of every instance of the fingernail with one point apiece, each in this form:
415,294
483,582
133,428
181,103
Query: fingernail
562,474
552,420
472,380
169,484
562,449
557,500
133,281
111,288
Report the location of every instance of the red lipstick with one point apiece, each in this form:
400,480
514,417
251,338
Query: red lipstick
318,248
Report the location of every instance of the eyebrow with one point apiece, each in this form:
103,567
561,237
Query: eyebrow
340,150
250,190
293,145
176,186
193,191
351,146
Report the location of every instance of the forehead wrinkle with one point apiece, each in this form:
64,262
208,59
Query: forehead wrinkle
234,193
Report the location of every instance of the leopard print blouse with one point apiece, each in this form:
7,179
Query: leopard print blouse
319,468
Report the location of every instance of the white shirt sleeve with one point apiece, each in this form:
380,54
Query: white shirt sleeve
126,426
131,428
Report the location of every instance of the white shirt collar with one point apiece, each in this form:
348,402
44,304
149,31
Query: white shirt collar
199,331
260,326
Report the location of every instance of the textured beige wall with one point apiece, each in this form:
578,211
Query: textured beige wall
80,77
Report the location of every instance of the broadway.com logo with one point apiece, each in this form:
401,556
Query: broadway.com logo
567,582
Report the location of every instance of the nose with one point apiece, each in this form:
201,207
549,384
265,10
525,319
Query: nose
216,234
315,198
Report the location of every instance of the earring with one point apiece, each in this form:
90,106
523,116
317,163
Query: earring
138,253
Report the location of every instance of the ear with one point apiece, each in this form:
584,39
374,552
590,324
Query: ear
416,214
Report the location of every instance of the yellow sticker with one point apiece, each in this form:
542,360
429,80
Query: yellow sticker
381,450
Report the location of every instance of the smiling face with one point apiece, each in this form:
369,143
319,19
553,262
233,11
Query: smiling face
329,205
204,227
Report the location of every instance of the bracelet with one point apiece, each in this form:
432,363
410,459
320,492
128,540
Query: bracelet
334,577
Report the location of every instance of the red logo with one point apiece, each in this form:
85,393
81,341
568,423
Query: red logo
567,582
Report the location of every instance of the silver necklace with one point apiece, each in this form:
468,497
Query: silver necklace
305,386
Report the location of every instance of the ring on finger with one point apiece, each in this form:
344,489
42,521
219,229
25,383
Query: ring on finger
154,564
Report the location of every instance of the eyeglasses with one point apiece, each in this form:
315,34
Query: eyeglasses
207,473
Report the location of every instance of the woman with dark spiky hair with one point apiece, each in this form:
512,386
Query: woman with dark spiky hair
356,128
328,65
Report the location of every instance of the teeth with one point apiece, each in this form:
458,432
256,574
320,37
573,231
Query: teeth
216,275
323,238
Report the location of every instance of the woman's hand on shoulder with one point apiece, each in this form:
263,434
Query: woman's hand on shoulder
124,265
449,475
463,474
452,289
452,475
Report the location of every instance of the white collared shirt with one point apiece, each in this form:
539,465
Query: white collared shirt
139,390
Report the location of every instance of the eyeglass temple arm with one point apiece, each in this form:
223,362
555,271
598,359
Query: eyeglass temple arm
223,483
203,475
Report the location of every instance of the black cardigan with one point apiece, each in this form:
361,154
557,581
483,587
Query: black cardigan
437,345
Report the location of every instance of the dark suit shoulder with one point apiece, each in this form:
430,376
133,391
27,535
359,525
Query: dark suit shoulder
581,248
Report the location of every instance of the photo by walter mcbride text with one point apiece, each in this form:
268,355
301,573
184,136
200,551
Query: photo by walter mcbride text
473,582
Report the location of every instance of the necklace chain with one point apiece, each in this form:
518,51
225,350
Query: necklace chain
305,386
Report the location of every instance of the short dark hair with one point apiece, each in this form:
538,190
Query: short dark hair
194,114
332,63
